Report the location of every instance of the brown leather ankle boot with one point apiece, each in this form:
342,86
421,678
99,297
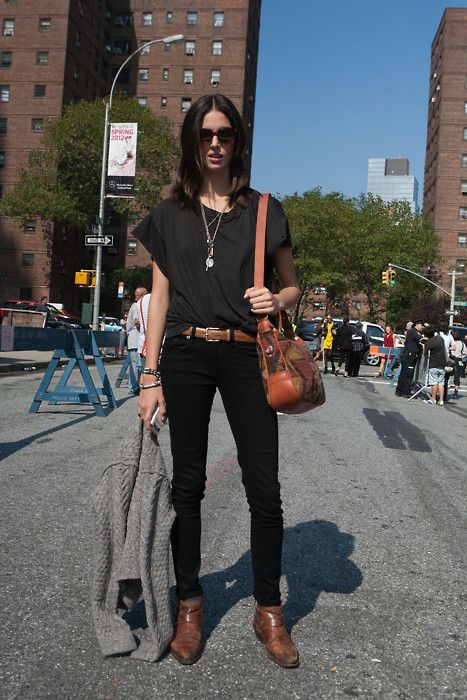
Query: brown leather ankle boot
268,624
186,646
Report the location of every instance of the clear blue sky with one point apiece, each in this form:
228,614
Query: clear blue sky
341,81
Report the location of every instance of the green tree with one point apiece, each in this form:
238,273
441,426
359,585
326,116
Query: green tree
132,277
321,227
62,179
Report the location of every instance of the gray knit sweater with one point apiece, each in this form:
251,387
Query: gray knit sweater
133,517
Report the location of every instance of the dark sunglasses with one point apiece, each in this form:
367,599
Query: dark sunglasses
225,135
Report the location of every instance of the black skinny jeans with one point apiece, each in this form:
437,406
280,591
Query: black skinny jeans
191,371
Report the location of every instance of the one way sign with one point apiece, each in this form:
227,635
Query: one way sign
99,240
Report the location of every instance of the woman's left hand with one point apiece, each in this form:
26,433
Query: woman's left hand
262,301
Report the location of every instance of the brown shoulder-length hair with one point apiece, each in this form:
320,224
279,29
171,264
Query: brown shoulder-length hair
190,174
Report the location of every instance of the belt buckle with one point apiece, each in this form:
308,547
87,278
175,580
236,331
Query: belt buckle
211,340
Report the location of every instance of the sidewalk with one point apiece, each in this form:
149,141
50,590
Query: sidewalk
29,360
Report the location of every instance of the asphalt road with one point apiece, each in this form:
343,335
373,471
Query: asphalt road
374,589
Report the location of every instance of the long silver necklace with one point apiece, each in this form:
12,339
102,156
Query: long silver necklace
210,239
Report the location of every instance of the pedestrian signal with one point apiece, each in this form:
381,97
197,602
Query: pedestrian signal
385,277
392,277
82,278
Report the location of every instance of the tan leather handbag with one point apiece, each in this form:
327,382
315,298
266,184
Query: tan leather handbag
292,380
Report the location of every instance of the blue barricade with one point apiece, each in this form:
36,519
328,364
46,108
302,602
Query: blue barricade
70,345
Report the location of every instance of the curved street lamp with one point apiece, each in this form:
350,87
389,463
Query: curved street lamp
108,107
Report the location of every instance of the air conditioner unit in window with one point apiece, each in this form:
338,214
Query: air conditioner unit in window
214,81
188,81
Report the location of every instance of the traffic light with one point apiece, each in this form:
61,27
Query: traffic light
385,277
392,277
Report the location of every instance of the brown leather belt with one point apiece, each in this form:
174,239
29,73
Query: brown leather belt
215,335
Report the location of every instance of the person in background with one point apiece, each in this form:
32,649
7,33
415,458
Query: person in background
458,353
446,335
122,339
327,344
409,357
436,363
388,342
42,306
132,329
344,345
360,345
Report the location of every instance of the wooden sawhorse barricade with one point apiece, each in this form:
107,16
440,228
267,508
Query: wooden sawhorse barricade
126,372
73,346
391,355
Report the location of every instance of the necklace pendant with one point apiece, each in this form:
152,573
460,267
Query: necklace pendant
209,262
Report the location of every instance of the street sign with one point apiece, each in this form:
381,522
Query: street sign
121,289
454,312
99,240
460,303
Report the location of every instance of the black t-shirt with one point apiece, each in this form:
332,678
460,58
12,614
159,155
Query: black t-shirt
412,341
176,240
437,350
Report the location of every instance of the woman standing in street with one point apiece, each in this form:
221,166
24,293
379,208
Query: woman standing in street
202,241
388,342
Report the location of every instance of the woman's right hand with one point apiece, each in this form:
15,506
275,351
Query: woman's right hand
149,400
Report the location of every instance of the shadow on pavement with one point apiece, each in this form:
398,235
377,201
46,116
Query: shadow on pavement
395,431
315,560
9,448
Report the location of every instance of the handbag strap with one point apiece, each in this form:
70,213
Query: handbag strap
260,244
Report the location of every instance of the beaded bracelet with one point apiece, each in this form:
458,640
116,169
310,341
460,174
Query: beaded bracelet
154,372
150,386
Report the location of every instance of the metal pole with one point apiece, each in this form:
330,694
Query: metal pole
97,290
108,107
453,293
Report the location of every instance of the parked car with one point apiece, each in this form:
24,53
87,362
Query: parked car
111,323
55,318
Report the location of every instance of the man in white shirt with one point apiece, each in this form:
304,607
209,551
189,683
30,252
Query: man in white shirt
133,327
445,333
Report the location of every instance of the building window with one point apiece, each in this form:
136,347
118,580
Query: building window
463,186
163,102
2,159
6,58
465,107
167,47
123,19
462,212
40,90
464,160
215,77
165,74
186,104
76,73
190,47
143,75
147,19
460,265
78,40
169,17
191,18
27,260
37,124
146,49
217,48
188,76
42,58
30,226
464,133
8,27
4,93
143,101
131,247
3,123
218,19
44,24
462,240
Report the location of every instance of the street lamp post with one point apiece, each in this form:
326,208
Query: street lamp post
108,107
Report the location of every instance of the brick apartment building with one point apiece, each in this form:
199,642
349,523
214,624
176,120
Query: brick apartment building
49,58
445,191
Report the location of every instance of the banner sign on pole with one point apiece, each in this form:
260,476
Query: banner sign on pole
122,160
120,290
